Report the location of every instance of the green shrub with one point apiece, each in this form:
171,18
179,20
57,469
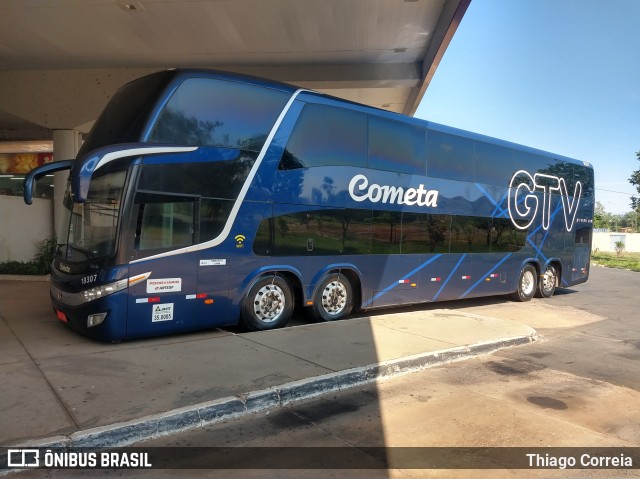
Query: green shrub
40,264
44,257
19,267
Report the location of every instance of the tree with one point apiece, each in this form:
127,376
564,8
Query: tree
631,220
634,179
604,219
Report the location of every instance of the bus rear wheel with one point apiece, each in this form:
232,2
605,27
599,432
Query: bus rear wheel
267,305
333,299
527,284
547,282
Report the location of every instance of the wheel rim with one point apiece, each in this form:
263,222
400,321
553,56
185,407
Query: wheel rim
334,297
527,284
269,303
549,280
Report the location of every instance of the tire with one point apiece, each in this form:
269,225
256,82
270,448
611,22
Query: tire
267,305
547,282
333,299
527,284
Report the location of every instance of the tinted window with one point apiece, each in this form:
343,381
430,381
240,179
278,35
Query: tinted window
264,240
313,233
424,233
470,234
396,146
386,229
351,231
494,164
506,237
332,232
327,136
219,113
126,114
583,235
450,157
213,185
571,173
164,222
585,176
213,216
534,163
220,179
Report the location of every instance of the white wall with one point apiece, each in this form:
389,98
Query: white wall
22,227
603,241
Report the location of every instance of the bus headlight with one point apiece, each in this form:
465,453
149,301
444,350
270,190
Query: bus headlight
95,319
104,290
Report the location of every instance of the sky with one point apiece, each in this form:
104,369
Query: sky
557,75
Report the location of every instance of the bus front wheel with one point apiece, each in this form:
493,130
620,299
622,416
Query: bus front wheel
267,305
527,284
333,299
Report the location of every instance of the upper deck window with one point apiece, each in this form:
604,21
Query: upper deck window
494,164
450,157
219,113
327,136
126,114
396,146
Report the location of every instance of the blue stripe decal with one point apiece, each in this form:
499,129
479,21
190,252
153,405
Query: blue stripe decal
489,197
498,207
544,238
482,279
406,276
499,210
449,277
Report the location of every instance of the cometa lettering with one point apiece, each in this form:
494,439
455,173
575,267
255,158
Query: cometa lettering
361,190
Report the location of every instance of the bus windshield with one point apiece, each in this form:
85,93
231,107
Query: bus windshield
91,226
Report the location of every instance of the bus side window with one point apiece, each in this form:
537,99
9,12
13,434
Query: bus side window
583,235
494,164
396,146
164,225
326,136
213,216
450,156
506,237
470,234
229,114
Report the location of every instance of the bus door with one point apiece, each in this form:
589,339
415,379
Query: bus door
162,285
222,269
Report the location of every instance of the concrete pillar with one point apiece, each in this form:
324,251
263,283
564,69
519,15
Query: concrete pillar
66,144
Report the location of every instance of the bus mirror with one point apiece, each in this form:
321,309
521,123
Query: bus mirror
39,172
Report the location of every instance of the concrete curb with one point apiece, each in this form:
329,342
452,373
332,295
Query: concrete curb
203,414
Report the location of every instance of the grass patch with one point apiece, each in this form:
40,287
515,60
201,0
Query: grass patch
612,260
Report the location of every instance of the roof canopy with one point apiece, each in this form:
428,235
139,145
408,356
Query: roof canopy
60,61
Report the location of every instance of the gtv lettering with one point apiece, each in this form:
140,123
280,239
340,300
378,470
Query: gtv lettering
361,190
523,203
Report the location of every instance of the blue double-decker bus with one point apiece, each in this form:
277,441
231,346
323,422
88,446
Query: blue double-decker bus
203,199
